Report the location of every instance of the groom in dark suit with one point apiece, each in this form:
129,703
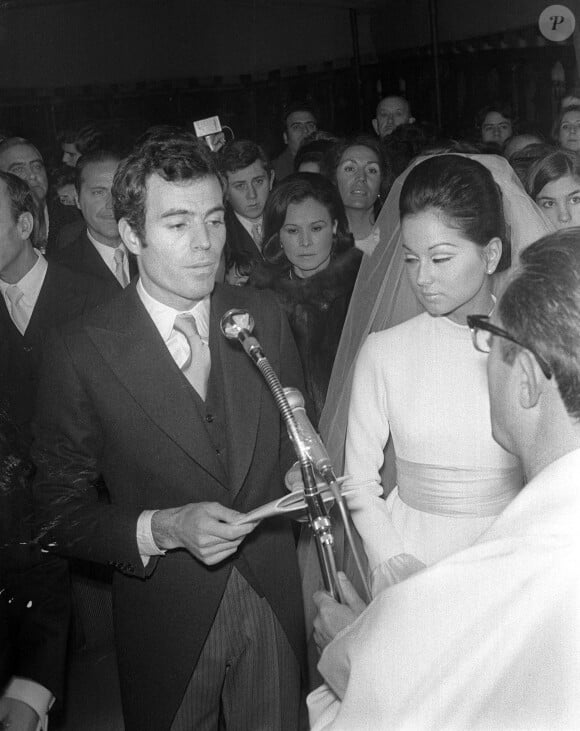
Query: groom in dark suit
177,420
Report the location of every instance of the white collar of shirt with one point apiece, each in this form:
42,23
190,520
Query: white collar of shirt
30,284
248,223
107,253
164,317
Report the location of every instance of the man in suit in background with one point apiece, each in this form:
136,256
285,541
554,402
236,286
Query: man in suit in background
23,159
36,295
98,251
392,112
248,178
147,393
299,121
34,590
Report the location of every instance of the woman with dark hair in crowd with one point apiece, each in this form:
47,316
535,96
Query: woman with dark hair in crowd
359,169
310,156
566,129
523,160
422,382
313,151
527,137
554,183
311,264
77,142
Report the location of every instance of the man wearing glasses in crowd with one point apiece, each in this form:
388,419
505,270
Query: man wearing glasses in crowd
488,637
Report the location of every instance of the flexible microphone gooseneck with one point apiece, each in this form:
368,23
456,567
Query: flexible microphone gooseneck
310,450
238,325
320,459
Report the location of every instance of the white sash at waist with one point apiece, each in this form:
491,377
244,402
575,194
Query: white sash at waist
457,492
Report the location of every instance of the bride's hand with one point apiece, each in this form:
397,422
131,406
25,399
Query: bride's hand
333,617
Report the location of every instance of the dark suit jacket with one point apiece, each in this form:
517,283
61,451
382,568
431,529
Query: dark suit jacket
63,296
283,165
81,256
240,249
114,402
62,219
34,590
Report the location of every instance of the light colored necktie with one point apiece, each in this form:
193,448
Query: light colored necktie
257,234
196,367
17,312
119,258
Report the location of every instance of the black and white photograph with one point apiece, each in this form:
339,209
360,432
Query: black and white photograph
289,365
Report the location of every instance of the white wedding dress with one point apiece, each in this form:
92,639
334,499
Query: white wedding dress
423,384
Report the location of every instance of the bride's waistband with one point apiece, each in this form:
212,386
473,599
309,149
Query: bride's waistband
457,492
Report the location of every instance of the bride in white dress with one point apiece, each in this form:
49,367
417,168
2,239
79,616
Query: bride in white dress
423,384
383,298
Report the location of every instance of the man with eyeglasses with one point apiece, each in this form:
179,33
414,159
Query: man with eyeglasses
299,121
489,637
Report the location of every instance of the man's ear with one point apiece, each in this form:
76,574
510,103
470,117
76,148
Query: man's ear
492,253
272,178
129,237
285,138
25,225
531,379
376,126
225,185
412,120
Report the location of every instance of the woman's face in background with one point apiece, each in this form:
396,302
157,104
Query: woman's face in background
358,177
569,132
306,236
560,202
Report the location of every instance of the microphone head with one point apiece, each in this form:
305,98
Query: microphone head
294,397
236,322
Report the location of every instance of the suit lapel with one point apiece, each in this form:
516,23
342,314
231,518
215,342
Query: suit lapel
242,394
55,302
134,350
93,262
241,241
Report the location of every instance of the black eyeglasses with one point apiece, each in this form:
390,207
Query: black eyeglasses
482,331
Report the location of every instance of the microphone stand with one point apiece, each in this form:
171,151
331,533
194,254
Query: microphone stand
238,324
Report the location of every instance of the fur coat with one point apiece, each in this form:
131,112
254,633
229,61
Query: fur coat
316,308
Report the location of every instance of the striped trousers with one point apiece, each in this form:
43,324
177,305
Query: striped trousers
247,677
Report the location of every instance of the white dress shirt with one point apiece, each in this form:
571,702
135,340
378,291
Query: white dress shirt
30,285
107,254
39,698
163,318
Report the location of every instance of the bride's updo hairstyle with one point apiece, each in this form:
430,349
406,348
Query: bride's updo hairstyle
465,193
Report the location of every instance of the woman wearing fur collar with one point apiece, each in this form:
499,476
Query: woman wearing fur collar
311,264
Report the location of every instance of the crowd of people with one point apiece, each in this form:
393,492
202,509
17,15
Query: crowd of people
423,293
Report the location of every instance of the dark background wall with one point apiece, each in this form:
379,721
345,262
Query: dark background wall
107,41
153,61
